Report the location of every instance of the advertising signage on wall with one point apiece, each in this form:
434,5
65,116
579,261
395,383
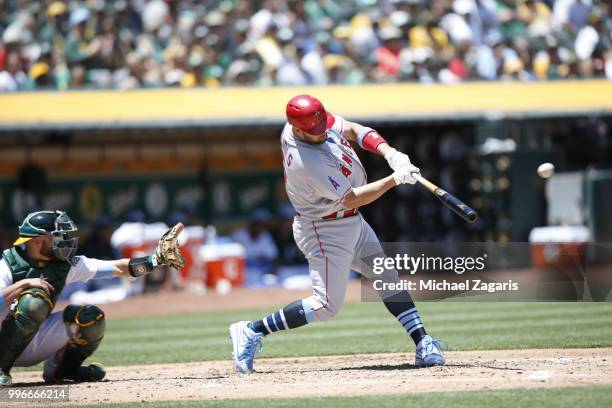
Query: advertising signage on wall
220,196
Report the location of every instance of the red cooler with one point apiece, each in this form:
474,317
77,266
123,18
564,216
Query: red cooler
558,247
223,261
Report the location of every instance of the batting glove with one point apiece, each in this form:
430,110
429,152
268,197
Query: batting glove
406,175
397,159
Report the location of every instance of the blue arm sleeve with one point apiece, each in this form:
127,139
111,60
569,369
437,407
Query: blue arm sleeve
2,303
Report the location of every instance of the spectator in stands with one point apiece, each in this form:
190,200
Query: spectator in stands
80,46
98,243
387,55
289,253
153,43
261,251
13,77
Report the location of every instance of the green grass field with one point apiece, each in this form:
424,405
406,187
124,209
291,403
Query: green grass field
552,397
463,326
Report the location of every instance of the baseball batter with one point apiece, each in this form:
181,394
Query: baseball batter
33,273
326,184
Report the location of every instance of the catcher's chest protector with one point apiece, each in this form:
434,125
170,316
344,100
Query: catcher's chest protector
54,272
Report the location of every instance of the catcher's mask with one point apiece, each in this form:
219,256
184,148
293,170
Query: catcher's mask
55,223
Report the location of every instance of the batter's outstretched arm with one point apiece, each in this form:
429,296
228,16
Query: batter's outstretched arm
370,140
352,131
368,193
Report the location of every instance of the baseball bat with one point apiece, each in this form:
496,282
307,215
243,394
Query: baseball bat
459,207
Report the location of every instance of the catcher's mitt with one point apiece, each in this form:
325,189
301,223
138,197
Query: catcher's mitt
168,252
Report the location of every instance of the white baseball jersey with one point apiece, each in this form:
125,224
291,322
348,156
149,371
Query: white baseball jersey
52,334
318,176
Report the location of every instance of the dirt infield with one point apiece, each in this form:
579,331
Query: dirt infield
172,303
370,374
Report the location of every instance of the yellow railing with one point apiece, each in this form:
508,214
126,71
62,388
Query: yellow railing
243,104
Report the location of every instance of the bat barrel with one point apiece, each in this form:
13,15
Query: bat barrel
459,207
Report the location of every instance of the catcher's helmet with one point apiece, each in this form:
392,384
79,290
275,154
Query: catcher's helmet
307,113
55,223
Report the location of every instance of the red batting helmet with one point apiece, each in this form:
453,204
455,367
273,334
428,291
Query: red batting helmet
307,113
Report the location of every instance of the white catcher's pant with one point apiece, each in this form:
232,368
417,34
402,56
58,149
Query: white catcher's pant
333,248
50,338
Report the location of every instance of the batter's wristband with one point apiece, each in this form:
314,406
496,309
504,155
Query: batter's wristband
368,139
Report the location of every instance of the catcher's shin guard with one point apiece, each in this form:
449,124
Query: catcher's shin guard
86,326
20,327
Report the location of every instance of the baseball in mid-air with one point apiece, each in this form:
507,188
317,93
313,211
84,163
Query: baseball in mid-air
546,170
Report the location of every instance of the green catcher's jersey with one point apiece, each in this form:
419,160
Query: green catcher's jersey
54,272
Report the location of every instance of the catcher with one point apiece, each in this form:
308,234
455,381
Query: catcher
33,273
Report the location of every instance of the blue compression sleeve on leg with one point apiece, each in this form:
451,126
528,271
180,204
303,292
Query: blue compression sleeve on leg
307,311
292,316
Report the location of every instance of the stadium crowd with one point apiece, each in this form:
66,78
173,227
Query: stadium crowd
127,44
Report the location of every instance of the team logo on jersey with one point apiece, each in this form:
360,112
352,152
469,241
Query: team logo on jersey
333,182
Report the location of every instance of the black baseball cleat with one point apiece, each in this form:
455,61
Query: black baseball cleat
91,373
